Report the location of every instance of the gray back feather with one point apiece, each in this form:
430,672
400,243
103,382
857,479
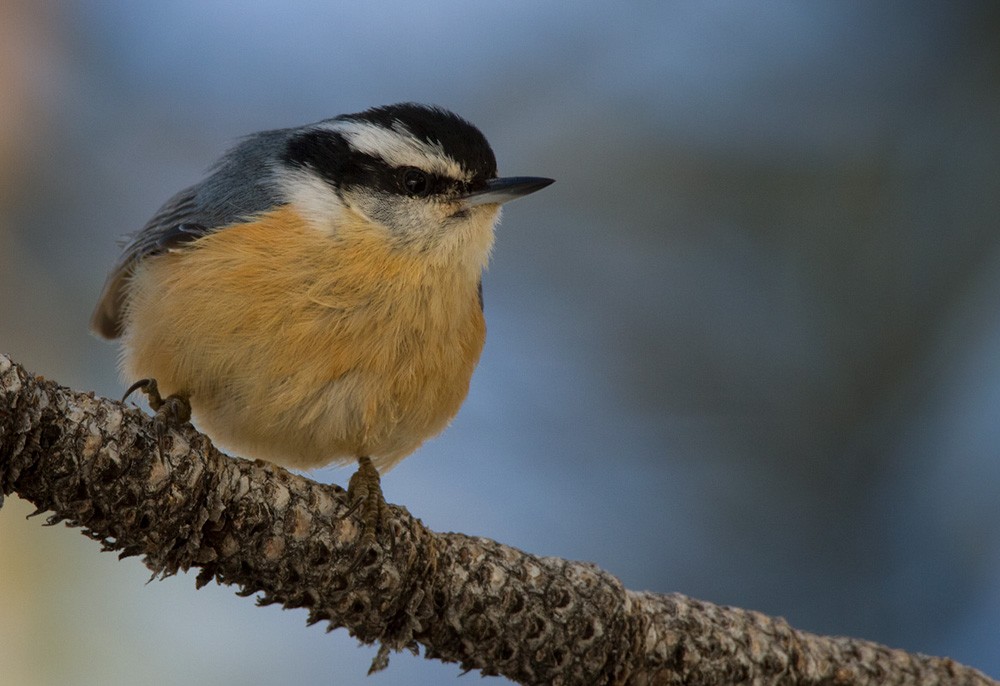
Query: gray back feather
239,186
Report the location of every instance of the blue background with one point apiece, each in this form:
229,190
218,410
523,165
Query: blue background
745,349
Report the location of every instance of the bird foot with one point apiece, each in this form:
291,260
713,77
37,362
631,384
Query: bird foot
172,412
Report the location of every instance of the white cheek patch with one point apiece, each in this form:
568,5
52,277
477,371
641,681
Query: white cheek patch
314,198
397,147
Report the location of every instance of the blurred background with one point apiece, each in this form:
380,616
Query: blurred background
745,349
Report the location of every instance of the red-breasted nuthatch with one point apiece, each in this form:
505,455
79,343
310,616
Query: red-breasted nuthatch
317,298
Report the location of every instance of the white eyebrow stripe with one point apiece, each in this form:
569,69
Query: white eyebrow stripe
398,147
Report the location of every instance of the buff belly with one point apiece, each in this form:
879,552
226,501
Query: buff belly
302,350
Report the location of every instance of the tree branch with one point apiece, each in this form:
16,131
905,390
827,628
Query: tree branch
96,464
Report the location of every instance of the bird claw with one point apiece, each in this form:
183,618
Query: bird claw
172,412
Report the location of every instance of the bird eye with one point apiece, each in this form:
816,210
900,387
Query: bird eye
416,182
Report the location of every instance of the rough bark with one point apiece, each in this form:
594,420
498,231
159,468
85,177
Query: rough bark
180,504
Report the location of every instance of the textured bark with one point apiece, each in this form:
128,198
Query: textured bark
96,464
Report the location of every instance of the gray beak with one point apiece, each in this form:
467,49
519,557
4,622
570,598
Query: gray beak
499,191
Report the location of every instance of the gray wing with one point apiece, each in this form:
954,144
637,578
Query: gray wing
240,185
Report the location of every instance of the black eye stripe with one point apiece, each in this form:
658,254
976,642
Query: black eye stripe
330,155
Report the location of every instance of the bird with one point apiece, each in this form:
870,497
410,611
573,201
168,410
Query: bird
317,298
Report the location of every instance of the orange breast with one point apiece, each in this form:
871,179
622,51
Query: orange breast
301,348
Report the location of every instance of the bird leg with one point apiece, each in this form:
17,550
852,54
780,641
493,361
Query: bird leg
364,492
